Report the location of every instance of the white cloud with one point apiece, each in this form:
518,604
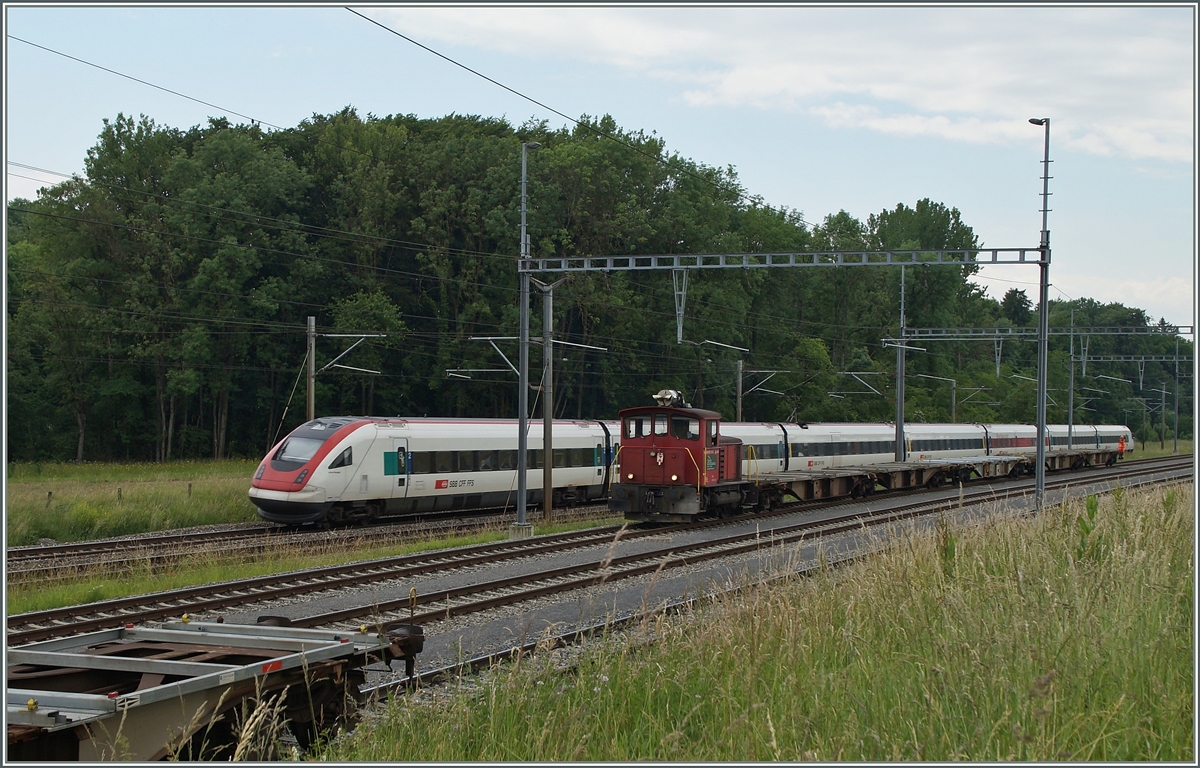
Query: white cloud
1172,298
1115,81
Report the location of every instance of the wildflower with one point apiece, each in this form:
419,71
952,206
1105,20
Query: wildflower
604,678
596,689
539,682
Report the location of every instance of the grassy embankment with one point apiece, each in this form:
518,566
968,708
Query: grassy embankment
77,502
1064,637
1152,449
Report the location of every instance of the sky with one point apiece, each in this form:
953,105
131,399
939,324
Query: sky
819,109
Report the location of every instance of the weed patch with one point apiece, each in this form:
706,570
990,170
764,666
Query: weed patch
991,642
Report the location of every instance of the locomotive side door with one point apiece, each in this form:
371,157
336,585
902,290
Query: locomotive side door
395,467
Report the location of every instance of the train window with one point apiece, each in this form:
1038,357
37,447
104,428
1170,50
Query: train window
488,460
660,424
685,428
298,449
637,426
580,457
422,462
465,461
712,432
562,458
344,459
443,461
533,459
508,460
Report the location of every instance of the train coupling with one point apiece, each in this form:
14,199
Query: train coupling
405,641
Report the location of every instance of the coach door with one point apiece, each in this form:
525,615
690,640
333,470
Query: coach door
395,467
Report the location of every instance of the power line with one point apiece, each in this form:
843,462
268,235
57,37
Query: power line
739,195
143,82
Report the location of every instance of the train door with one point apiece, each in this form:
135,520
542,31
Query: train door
395,467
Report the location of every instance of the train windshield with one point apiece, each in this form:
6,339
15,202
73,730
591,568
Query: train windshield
299,449
685,428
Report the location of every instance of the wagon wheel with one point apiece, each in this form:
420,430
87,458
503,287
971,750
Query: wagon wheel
765,502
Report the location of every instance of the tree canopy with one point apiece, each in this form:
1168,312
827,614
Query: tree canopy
157,304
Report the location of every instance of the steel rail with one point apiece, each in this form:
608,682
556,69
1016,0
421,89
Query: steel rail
500,592
70,620
60,561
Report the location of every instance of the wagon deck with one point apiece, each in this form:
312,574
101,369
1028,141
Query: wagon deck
176,688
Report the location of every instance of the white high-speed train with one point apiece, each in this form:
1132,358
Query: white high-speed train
335,470
347,468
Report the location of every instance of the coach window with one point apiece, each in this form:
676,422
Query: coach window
421,463
660,424
712,432
466,461
488,461
508,460
685,428
443,461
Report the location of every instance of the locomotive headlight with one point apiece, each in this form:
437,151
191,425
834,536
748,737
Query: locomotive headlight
630,476
258,475
674,477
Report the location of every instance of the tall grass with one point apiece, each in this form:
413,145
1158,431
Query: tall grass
89,501
1045,639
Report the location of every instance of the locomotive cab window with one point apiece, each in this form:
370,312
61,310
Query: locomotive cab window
344,459
637,426
685,428
299,449
660,424
712,432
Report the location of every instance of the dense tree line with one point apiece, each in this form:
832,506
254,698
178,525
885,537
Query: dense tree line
157,305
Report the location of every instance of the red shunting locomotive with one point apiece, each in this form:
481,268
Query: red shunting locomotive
676,465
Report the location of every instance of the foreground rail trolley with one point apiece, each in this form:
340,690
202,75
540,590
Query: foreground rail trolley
679,463
176,690
356,469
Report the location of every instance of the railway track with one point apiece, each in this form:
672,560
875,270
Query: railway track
484,596
29,627
63,561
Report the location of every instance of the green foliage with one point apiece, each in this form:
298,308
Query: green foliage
157,305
